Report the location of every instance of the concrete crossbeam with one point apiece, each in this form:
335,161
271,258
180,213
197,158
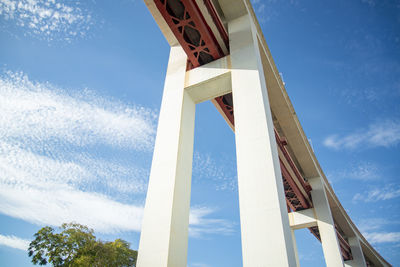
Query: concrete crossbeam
209,81
302,219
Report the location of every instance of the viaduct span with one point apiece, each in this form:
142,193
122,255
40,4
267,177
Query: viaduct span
218,53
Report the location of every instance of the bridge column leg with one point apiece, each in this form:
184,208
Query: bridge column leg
265,229
358,256
295,249
326,225
164,235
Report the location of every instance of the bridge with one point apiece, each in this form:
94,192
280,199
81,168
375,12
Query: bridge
219,53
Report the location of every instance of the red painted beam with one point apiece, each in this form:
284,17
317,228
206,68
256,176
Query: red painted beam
344,245
300,200
217,21
190,28
281,144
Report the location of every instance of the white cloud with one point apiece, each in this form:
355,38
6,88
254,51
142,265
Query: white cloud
359,171
373,232
47,19
381,134
21,167
383,237
201,225
14,242
43,115
61,203
373,224
51,170
362,171
222,172
378,194
48,136
268,10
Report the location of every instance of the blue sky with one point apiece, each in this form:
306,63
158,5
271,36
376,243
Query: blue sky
80,90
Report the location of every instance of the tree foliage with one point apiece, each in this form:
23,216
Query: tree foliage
75,246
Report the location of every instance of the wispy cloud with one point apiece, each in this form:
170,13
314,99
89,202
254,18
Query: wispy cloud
42,114
378,194
48,19
373,231
381,134
51,167
359,171
259,6
61,203
362,171
201,224
221,171
352,96
383,237
265,10
268,10
373,224
14,242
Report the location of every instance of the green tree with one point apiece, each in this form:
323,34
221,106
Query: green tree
75,246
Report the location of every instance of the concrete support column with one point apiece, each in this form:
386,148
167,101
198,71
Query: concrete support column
295,249
266,234
326,225
358,256
164,235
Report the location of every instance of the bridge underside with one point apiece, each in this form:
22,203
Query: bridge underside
200,28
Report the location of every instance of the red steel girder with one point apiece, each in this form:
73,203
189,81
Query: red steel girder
292,191
217,21
344,245
281,144
190,28
225,102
